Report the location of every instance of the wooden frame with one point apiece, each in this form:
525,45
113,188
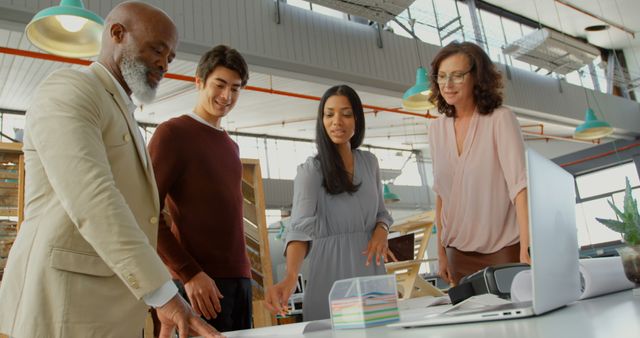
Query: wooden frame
256,236
410,284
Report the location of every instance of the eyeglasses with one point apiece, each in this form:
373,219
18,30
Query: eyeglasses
455,77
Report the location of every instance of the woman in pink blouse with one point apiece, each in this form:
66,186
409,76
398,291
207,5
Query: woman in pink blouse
478,165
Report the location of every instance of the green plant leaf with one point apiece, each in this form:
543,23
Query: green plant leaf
630,205
619,213
612,224
632,238
628,222
635,220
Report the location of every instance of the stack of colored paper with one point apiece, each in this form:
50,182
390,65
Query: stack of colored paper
363,302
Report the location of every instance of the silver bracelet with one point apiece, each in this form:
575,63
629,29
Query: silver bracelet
385,226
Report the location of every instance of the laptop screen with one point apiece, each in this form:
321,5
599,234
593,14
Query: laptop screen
402,246
553,234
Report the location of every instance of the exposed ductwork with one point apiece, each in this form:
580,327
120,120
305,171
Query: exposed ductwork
553,51
380,11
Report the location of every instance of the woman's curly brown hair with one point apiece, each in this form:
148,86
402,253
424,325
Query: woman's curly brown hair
487,86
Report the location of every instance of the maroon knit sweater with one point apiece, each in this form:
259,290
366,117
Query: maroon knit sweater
198,170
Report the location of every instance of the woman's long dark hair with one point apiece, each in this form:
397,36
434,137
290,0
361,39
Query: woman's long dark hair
335,178
487,79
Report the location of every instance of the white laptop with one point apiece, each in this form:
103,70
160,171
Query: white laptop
554,250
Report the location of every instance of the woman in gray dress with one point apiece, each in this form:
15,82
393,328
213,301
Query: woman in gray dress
339,220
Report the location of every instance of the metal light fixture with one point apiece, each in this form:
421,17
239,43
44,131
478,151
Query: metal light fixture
389,196
592,128
416,98
66,30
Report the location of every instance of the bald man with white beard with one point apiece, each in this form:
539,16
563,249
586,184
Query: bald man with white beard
84,263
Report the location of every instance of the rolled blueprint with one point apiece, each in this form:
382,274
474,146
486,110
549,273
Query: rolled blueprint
521,289
598,276
604,275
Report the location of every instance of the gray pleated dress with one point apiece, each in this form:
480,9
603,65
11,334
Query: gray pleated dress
337,227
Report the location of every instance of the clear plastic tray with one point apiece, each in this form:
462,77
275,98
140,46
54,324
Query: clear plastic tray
363,302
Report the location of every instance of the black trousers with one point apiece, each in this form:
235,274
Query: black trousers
236,304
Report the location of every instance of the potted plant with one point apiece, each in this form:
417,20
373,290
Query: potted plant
628,224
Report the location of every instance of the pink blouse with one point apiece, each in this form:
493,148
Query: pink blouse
478,187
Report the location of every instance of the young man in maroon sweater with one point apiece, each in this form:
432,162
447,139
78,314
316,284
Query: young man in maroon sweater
198,171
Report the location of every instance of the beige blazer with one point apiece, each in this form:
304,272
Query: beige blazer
85,254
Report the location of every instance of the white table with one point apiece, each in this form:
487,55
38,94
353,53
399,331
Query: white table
615,315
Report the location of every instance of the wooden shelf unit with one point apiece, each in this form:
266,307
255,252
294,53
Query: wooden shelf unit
256,236
11,197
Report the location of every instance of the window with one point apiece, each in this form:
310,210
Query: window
425,27
607,180
427,166
279,159
600,74
493,35
587,80
450,10
299,3
399,30
573,78
595,190
327,11
410,175
427,34
252,147
404,161
12,126
512,32
496,31
524,29
273,216
316,8
147,132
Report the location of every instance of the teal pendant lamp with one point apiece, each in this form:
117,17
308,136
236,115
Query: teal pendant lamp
67,30
592,128
389,196
416,98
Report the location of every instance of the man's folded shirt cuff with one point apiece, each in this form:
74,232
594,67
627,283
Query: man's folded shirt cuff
161,295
